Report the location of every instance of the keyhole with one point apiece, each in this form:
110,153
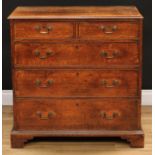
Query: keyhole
76,46
77,104
77,73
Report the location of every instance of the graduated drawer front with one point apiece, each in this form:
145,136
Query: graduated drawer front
78,114
62,83
43,30
109,30
75,54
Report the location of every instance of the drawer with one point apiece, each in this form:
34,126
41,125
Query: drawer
43,30
78,114
75,54
84,83
108,30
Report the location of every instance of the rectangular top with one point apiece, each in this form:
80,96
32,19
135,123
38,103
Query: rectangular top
75,12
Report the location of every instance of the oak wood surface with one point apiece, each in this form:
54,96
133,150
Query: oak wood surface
76,114
107,80
75,12
43,30
77,54
64,30
89,82
108,30
84,146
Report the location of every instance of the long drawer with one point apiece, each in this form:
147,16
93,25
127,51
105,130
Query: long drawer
110,30
75,54
43,30
77,82
78,114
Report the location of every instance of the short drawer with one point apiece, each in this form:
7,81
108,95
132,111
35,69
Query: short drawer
75,54
108,30
43,30
78,114
83,83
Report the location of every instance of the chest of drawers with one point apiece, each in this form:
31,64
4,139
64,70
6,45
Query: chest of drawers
76,72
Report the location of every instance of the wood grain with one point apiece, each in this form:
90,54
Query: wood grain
76,12
76,54
76,83
78,72
76,114
108,30
76,146
43,30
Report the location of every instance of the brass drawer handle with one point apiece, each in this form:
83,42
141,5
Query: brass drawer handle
43,29
108,29
48,54
105,54
114,83
38,83
109,116
45,116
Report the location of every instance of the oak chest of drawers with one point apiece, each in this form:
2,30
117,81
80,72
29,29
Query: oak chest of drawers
76,73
